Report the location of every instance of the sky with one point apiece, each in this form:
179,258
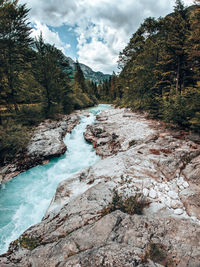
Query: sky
93,31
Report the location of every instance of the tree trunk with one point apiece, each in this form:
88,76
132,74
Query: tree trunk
48,99
183,88
13,100
16,107
10,81
178,76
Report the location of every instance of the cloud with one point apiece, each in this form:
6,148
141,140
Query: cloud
103,27
101,52
67,46
49,36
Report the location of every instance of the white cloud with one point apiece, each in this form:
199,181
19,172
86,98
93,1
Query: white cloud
67,46
103,27
101,52
49,36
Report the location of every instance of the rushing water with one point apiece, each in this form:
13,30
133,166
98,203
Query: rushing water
24,199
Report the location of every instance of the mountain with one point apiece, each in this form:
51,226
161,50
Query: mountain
96,77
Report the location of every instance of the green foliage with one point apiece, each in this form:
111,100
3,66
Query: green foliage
175,111
160,69
35,79
49,66
132,143
15,49
195,122
13,140
157,253
131,205
30,115
182,110
83,91
28,242
79,78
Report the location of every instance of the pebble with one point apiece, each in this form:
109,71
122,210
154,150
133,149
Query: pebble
181,187
145,192
178,211
173,194
168,202
175,204
179,182
185,184
152,193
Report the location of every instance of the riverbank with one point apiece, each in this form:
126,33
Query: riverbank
140,158
46,143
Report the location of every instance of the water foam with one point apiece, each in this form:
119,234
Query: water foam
24,199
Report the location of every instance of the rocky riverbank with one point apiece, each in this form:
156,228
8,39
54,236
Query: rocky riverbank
104,223
46,142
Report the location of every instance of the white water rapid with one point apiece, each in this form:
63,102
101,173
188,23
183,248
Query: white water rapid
24,199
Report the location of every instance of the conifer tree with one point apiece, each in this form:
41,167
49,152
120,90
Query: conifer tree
49,71
15,44
193,44
177,29
79,78
160,68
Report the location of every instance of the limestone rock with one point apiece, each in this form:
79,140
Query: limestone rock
139,157
152,193
46,142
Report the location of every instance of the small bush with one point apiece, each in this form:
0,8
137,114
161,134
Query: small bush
13,140
51,112
28,242
132,143
30,115
157,253
131,205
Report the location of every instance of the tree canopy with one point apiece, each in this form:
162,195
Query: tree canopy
160,68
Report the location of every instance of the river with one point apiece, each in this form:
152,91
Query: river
24,199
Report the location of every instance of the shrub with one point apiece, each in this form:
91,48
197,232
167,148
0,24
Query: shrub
30,115
131,205
13,139
157,253
28,242
132,143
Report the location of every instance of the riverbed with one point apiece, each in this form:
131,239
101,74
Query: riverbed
24,199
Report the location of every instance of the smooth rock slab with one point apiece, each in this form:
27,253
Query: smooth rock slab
78,230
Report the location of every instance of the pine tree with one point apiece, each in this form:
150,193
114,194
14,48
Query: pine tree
178,26
193,45
79,77
15,44
51,71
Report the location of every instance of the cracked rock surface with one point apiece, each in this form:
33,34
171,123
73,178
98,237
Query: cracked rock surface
139,156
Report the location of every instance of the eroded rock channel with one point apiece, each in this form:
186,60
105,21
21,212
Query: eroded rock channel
100,225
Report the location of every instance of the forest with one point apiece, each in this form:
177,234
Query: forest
159,74
160,69
36,81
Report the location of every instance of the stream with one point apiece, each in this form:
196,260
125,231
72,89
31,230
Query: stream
25,198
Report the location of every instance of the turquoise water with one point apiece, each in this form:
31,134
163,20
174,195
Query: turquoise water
24,199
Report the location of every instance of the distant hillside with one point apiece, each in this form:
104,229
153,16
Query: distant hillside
96,77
